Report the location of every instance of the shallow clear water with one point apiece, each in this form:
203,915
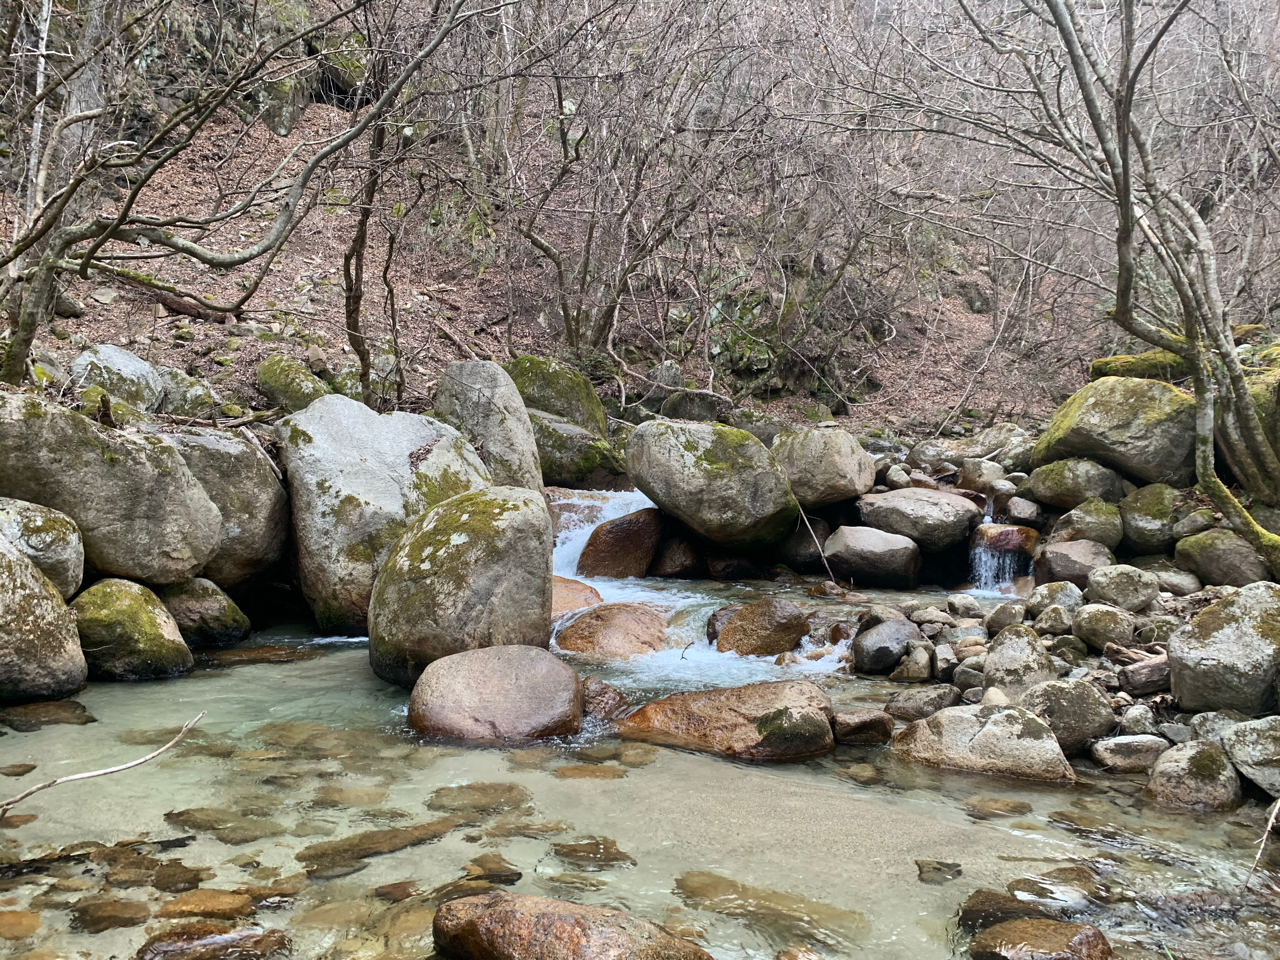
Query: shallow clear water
316,750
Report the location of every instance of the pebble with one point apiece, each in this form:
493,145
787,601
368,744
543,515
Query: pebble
18,924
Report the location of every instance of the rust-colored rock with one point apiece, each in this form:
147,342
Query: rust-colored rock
863,727
568,595
765,628
622,547
616,630
218,904
677,557
1040,940
214,941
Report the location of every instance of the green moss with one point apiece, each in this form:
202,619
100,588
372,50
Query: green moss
550,385
1152,365
298,436
786,734
122,633
1208,763
287,383
122,413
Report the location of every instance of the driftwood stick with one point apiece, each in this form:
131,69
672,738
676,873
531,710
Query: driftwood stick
819,546
1262,844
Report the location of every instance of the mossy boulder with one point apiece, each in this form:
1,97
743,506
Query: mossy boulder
1017,661
1144,428
141,513
475,571
185,396
127,634
697,405
1220,558
824,465
1196,775
482,402
574,457
558,389
720,481
356,478
1095,520
206,617
1069,483
1228,656
40,656
92,400
48,539
120,373
1152,365
287,383
1149,515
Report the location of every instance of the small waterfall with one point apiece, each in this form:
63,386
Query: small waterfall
999,553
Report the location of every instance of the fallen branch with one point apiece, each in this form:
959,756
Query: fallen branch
821,552
1262,844
186,728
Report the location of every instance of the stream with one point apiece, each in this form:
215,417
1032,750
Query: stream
752,860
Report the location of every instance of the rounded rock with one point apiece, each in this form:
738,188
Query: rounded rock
40,656
825,465
616,630
49,539
1075,711
1196,775
127,634
765,628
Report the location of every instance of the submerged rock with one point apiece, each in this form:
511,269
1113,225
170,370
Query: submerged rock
985,908
765,628
616,630
1228,656
1198,775
1033,939
127,634
1004,740
482,401
48,539
934,520
623,547
206,617
824,465
40,654
214,941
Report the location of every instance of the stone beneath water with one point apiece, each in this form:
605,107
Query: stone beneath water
593,853
205,940
1040,940
351,851
97,914
937,872
480,798
985,908
29,717
216,904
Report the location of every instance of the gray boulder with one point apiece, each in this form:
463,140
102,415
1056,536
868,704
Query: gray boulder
356,478
141,513
696,405
1069,483
1149,517
879,649
481,400
1197,775
1016,662
1122,586
911,705
1169,578
574,457
1008,614
120,373
1094,520
127,634
1129,754
1075,711
873,558
1061,593
473,572
206,617
933,519
1003,740
40,656
824,465
719,480
1254,747
1072,562
48,539
1098,624
185,396
1228,656
1220,558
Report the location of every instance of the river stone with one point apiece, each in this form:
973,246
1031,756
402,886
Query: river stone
616,630
915,667
356,478
40,656
124,375
1069,483
825,465
1139,719
1228,656
718,618
623,547
238,478
1168,577
720,481
879,649
1008,614
1094,520
989,443
48,539
474,571
985,908
1024,513
287,383
1016,662
1148,517
206,617
873,558
933,519
765,628
1254,747
569,595
481,400
863,726
547,384
127,634
1098,624
1054,621
677,557
510,926
802,550
1212,725
1220,558
140,512
910,705
572,456
985,738
1075,711
185,396
1072,562
1122,586
1197,774
497,693
1132,753
1033,939
779,721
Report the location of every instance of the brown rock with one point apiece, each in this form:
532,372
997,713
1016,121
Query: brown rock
214,941
218,904
622,547
29,717
18,924
507,926
616,630
765,628
320,857
396,892
593,853
589,771
783,720
601,700
1040,940
676,557
94,915
985,908
568,595
717,620
17,769
773,913
863,726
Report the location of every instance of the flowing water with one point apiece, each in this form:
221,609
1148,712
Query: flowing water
750,859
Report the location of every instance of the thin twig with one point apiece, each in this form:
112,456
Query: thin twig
248,435
821,553
186,728
1262,844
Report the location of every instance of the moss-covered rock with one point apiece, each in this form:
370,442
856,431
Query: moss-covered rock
1228,656
122,414
1144,428
574,457
40,655
206,617
122,374
475,571
1149,515
1069,483
1197,775
1220,558
1075,710
1152,365
48,539
127,634
185,396
287,383
550,385
1095,520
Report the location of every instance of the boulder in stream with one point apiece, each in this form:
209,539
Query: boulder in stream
482,401
1221,558
873,558
1035,939
623,547
765,628
1133,753
47,538
547,384
1198,775
1254,747
824,465
985,738
1017,661
616,631
1069,483
1075,710
1095,520
206,617
572,456
127,634
1072,561
933,519
40,656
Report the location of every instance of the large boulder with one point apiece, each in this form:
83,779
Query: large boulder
480,399
1123,586
765,628
40,656
784,720
933,519
880,648
720,481
124,375
239,479
623,547
497,693
1254,748
572,456
356,478
873,558
512,926
48,539
1144,428
550,385
1198,775
616,630
127,634
1228,656
1072,561
1094,520
473,572
206,617
1069,483
825,465
1148,515
287,383
141,513
1076,712
1220,558
1017,661
1004,740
